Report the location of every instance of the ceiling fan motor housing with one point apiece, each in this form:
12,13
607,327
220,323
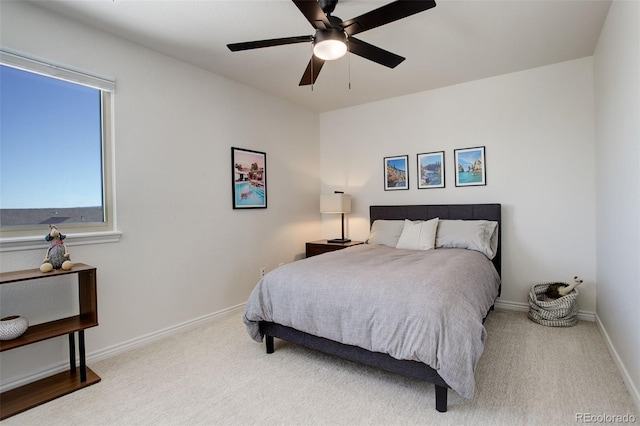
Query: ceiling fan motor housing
328,6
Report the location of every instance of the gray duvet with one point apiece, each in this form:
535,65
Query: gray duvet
424,306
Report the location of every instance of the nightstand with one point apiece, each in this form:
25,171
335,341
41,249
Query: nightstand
315,248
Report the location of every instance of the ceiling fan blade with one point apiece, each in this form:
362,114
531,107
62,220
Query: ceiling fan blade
374,53
314,14
315,65
234,47
386,14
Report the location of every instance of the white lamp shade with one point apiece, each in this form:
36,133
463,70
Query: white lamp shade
335,203
330,49
330,44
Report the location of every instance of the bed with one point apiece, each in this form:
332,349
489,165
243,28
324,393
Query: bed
414,311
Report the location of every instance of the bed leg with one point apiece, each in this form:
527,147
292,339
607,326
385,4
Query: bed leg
441,398
268,340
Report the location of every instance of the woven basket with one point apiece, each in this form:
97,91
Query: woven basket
561,312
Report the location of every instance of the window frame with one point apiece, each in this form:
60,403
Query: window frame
32,236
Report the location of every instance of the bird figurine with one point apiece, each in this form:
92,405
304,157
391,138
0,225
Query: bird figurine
558,290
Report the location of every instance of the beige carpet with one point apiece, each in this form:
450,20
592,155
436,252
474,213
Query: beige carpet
215,375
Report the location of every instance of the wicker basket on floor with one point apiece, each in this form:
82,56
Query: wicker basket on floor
561,312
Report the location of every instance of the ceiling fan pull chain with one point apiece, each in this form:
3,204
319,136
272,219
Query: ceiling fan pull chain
349,64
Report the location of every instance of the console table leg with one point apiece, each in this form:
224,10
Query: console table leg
83,363
72,353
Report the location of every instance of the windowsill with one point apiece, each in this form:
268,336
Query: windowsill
37,242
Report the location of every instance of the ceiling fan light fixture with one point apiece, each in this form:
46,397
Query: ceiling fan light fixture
330,44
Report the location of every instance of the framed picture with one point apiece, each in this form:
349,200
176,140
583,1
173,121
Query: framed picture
395,173
471,167
249,178
431,170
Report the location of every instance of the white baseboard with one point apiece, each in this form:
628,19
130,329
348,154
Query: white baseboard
588,316
122,347
626,378
524,307
160,334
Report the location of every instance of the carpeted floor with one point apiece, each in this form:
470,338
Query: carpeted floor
216,375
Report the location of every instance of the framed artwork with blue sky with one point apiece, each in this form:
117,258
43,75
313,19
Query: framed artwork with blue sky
395,173
471,167
431,170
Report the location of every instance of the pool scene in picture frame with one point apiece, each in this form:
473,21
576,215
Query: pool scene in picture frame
249,193
249,178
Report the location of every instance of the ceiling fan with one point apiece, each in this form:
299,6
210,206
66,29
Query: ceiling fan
334,37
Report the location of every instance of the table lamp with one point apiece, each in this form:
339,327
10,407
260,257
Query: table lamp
337,202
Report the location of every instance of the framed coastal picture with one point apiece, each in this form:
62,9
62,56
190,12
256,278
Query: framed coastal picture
471,166
249,178
431,170
395,173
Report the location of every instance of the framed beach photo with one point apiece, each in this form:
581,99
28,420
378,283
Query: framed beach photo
395,173
471,167
249,178
431,170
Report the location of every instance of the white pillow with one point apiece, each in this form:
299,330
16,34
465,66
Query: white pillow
479,235
418,235
386,232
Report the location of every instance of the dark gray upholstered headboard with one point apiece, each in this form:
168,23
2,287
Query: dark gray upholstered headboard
444,211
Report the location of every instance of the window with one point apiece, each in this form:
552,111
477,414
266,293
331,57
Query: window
55,149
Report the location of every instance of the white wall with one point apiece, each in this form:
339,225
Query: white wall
185,253
537,127
617,94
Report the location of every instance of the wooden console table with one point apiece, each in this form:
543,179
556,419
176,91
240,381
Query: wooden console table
17,400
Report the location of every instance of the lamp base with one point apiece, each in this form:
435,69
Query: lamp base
339,240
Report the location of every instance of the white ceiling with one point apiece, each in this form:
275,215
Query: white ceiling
454,42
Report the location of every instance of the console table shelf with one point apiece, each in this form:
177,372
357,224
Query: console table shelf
37,333
33,394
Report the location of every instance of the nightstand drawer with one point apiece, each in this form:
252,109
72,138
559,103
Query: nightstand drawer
315,248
